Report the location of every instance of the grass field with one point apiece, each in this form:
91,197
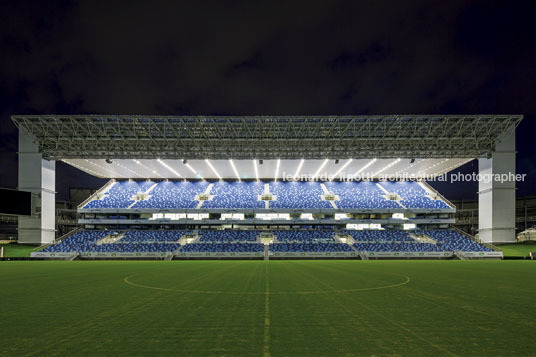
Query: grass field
278,308
17,250
518,249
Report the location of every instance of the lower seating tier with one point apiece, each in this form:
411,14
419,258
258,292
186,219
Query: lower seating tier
223,247
285,241
310,247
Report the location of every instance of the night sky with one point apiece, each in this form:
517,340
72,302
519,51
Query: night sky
245,57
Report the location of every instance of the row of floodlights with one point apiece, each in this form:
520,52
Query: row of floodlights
255,165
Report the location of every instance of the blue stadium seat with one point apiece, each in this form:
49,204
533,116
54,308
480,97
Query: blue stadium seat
310,247
454,241
179,194
366,195
227,236
298,195
287,241
305,236
235,195
400,241
120,194
223,247
413,195
244,195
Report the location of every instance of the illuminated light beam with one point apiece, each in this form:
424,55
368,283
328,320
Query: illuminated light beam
434,165
423,171
213,169
138,162
234,169
195,172
110,173
405,169
85,169
277,170
168,167
340,170
387,167
319,169
455,166
365,167
298,170
256,170
126,168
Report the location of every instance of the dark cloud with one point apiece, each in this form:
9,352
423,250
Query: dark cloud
332,57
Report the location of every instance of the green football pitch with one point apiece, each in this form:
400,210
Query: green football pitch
277,308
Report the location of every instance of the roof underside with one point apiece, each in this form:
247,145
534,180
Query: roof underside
269,169
265,137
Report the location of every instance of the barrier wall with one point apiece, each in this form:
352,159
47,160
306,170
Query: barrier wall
98,255
219,255
313,254
52,255
434,255
480,255
186,255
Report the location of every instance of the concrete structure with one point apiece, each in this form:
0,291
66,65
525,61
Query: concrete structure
163,147
38,176
496,199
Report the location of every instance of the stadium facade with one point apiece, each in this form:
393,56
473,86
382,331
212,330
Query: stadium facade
196,176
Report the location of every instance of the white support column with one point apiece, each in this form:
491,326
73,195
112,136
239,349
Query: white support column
496,200
37,175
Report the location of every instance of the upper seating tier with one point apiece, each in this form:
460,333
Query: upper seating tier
245,195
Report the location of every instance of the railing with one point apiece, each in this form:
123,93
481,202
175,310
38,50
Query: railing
90,198
473,238
59,239
438,194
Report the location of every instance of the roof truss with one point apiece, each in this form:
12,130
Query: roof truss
266,137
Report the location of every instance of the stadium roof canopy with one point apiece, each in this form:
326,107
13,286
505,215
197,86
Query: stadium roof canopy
156,146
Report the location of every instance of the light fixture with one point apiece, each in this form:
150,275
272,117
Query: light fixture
387,167
85,169
298,170
213,169
126,168
260,162
320,168
106,169
234,169
138,162
336,161
405,169
277,170
108,161
185,161
168,167
339,170
256,170
365,167
195,172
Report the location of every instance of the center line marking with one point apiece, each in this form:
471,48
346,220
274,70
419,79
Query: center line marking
267,316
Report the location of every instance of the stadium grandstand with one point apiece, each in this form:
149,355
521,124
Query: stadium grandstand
267,187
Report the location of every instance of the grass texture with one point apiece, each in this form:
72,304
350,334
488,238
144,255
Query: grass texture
518,249
270,308
18,250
